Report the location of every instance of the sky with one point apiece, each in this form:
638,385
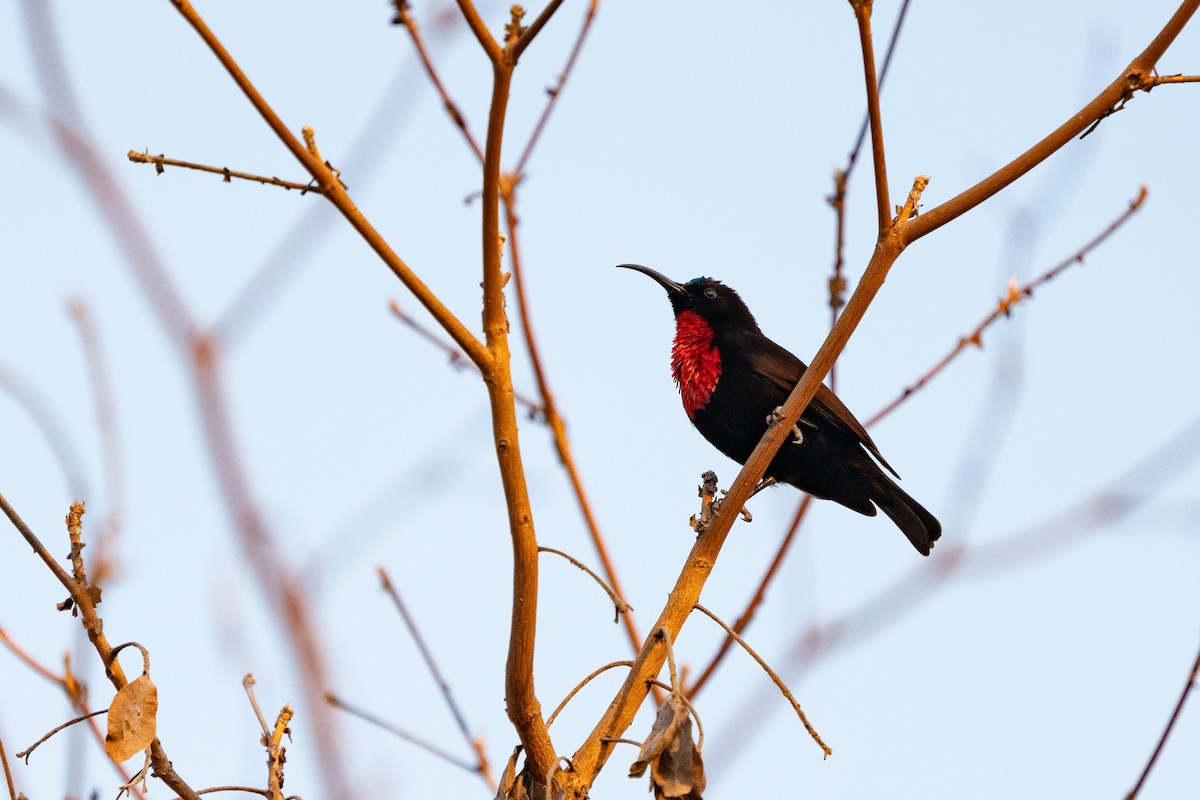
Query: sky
697,139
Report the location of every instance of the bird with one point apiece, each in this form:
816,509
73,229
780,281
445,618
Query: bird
733,380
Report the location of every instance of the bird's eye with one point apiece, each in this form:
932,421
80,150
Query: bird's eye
710,293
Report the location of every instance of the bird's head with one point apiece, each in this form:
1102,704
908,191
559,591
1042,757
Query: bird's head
709,299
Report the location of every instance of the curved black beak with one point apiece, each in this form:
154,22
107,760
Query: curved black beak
671,286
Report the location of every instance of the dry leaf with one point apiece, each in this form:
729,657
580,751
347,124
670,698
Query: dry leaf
132,720
676,769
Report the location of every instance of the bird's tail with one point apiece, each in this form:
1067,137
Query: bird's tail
921,527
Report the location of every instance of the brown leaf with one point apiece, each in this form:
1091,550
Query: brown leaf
676,769
132,720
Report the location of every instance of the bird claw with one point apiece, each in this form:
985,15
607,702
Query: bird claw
776,416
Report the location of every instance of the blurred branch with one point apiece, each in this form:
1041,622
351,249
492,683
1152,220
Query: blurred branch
74,143
226,173
1138,76
84,597
1015,295
473,742
103,562
39,408
1187,690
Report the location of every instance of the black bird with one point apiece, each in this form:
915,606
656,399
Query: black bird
732,378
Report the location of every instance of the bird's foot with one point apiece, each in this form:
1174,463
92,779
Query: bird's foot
776,417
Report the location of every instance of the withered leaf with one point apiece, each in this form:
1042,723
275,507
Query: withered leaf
132,720
676,769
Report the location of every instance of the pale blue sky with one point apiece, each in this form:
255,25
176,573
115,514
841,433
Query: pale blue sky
698,139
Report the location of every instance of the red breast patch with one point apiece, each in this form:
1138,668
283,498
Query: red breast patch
695,363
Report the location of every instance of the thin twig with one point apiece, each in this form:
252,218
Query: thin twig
620,605
161,161
404,18
556,90
426,654
457,358
486,41
1014,296
1159,80
248,684
580,685
1187,690
26,753
432,749
775,678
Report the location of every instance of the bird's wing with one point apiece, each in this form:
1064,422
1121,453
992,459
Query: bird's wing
784,370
